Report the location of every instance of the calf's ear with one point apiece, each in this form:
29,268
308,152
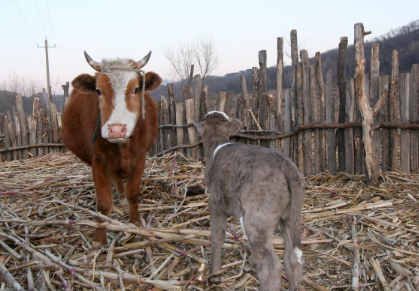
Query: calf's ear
152,81
200,128
234,126
84,83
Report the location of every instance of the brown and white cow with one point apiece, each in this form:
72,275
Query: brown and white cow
104,125
260,187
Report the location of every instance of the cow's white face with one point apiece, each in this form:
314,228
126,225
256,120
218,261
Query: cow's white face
120,103
118,85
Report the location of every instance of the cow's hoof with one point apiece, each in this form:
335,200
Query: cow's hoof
123,203
97,244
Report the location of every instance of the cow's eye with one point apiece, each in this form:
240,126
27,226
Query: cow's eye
135,91
98,92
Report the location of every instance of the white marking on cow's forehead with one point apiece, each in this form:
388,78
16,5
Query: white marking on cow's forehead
219,147
219,112
299,254
111,65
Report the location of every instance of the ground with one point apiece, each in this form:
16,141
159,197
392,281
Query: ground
48,218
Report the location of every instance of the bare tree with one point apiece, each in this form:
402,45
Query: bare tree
24,86
201,51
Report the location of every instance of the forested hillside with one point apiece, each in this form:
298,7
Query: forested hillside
405,40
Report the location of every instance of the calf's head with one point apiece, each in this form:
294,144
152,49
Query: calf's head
118,85
215,129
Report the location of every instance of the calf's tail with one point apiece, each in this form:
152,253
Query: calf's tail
297,201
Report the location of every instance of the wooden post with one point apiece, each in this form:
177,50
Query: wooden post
349,136
405,117
414,117
229,105
222,99
204,105
23,124
247,118
32,122
359,151
18,131
330,118
240,113
54,123
307,147
160,135
263,81
198,109
315,118
197,98
367,112
343,44
374,93
66,88
172,115
297,102
255,99
3,156
288,123
385,132
394,110
12,134
322,110
279,72
179,121
39,132
191,130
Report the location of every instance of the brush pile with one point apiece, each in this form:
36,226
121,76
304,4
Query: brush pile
354,235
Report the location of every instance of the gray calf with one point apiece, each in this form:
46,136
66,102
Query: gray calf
260,187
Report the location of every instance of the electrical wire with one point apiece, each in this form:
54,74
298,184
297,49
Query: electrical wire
53,37
30,31
40,19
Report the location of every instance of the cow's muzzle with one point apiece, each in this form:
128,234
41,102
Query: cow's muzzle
117,131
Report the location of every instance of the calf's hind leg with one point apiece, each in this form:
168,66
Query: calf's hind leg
264,256
218,230
293,268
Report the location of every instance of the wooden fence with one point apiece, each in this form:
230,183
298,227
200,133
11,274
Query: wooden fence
37,134
316,123
317,127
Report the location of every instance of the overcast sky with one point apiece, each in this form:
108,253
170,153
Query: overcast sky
130,29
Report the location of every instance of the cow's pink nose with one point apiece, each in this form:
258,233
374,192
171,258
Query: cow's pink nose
117,131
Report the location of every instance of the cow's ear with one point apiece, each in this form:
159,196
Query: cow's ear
200,128
84,83
152,81
234,126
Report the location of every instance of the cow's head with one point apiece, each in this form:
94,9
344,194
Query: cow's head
118,85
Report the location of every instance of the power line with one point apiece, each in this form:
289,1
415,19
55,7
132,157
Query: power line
30,31
50,23
25,22
53,36
40,19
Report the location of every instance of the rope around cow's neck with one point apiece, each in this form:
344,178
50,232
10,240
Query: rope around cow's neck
143,92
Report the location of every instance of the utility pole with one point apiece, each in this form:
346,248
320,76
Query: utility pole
46,57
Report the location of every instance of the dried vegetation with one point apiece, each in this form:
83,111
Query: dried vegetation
48,217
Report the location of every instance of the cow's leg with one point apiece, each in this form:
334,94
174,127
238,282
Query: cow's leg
218,230
293,268
120,191
104,199
132,190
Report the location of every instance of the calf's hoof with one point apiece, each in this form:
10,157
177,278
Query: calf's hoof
214,280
